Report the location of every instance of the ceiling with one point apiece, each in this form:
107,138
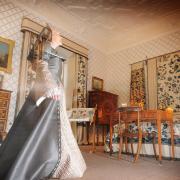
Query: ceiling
118,15
112,25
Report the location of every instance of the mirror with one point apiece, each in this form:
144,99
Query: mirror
68,74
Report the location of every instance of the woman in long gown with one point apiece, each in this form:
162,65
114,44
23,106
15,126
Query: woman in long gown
40,143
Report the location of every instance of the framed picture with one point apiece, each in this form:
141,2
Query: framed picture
1,80
97,83
6,51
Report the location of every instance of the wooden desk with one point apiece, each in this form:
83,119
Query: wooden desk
157,116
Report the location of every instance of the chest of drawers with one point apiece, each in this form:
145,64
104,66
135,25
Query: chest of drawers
106,103
4,109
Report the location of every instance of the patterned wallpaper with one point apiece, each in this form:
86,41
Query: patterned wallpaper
10,23
97,66
118,63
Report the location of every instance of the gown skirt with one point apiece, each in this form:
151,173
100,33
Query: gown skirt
30,150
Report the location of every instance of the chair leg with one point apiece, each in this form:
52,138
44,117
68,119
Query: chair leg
154,145
120,143
126,144
139,145
120,147
132,149
103,139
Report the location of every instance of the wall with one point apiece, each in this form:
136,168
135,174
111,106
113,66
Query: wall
118,63
97,66
10,23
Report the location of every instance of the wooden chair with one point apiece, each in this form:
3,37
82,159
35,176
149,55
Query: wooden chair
127,116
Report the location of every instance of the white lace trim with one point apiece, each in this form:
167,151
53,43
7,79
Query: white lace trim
72,163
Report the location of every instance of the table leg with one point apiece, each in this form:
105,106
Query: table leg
126,139
159,135
87,127
94,137
111,133
139,145
120,142
172,139
97,135
103,135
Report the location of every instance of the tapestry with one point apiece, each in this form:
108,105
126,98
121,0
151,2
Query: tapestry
80,94
137,87
168,81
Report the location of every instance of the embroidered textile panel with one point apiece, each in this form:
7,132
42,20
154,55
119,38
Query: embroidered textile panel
81,86
137,87
168,81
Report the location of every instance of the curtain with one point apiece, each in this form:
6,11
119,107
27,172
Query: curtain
26,75
152,84
137,86
80,95
168,81
80,91
156,82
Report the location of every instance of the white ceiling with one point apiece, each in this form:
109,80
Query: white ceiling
112,25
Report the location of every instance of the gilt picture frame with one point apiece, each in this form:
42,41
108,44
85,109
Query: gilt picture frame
6,51
97,83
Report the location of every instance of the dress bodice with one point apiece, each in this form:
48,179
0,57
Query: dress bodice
48,71
54,62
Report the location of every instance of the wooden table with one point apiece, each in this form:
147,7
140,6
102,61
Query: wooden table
156,116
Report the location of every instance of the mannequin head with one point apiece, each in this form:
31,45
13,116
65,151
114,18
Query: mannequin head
46,34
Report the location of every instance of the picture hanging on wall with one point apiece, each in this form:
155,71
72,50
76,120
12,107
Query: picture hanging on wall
97,83
6,51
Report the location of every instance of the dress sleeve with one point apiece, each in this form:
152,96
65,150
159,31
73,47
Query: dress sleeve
43,74
44,80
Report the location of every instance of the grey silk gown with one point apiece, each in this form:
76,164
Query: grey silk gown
40,144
